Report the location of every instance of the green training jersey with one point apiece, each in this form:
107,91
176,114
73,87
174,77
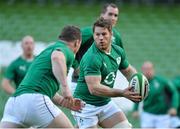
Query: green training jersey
96,62
158,100
17,70
40,77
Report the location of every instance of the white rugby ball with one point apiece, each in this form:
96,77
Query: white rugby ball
140,85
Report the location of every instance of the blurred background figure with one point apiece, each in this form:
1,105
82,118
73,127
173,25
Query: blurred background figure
158,106
175,120
18,68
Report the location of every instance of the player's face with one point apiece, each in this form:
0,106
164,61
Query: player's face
28,46
148,70
111,14
102,38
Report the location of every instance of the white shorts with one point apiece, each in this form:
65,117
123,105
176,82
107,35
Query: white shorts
91,115
30,110
149,120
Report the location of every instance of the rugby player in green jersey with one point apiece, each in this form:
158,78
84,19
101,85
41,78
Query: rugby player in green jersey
98,70
157,106
109,11
18,68
32,103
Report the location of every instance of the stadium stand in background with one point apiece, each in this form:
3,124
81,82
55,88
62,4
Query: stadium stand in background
60,2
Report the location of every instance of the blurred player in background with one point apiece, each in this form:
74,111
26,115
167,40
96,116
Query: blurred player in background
18,68
175,120
109,12
98,70
32,103
157,107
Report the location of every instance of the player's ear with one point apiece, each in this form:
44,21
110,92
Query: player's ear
77,42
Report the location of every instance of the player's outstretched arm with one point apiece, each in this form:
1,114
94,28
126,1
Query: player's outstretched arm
96,88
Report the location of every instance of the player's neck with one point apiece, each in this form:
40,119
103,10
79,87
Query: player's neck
108,51
28,56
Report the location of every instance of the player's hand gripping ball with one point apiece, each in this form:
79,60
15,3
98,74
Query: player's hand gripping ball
140,85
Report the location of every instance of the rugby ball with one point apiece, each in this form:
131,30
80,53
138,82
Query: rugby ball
140,85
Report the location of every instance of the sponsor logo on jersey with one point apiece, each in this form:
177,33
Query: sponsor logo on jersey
110,78
22,68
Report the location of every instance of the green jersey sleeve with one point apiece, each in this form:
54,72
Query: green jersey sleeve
117,37
10,72
92,66
175,97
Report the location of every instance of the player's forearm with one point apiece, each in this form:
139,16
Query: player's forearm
105,91
128,72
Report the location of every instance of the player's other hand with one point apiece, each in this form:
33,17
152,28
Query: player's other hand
131,95
77,105
74,104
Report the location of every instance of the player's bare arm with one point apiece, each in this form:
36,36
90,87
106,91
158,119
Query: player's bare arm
96,88
60,72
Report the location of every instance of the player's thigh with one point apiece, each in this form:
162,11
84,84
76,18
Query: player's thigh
112,115
113,120
60,121
9,125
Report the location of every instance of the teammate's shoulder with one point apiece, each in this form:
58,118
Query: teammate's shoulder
19,58
116,32
16,61
160,78
86,30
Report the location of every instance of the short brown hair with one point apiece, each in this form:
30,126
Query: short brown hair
104,8
70,33
101,22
